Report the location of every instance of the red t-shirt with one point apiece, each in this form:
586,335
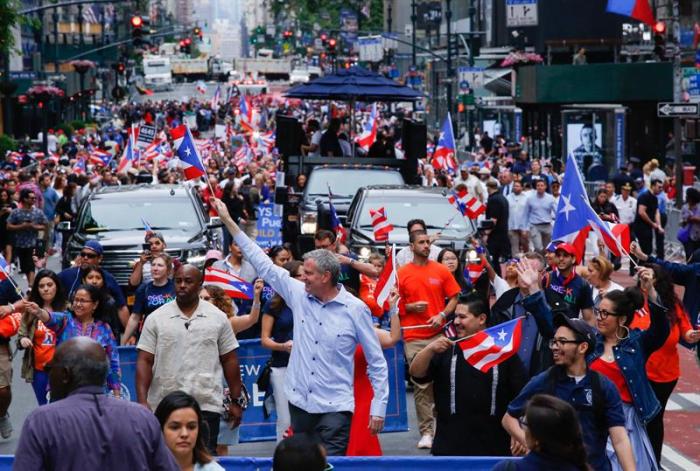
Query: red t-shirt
432,283
367,287
44,345
614,374
663,365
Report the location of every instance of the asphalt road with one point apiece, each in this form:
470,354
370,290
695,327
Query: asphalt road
185,91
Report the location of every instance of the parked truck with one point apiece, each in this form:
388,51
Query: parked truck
271,69
157,73
185,68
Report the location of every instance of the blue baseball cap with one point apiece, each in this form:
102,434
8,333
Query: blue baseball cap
94,246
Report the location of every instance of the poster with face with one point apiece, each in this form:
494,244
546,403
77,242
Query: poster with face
584,142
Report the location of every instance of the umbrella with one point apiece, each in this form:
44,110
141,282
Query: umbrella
354,84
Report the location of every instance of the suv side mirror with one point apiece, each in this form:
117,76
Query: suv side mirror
63,226
214,223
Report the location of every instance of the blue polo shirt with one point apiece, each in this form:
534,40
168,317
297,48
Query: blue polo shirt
580,396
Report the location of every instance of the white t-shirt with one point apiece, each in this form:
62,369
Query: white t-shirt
500,286
613,286
405,255
316,139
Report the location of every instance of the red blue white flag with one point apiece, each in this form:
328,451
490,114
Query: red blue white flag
575,217
186,151
216,98
79,167
4,269
131,152
388,279
467,204
234,286
492,346
445,151
380,224
101,158
246,114
336,225
637,9
369,132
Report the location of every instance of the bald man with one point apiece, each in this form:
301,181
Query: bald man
85,429
187,345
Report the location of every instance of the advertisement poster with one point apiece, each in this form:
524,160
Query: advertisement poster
584,142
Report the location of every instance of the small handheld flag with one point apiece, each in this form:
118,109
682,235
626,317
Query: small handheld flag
369,132
380,224
445,151
186,151
234,286
492,346
386,282
336,225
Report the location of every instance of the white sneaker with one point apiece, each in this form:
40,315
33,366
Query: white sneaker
5,426
425,442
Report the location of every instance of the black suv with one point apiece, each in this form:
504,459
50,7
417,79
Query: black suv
114,216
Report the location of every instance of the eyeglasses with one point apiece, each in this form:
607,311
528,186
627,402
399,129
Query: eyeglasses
522,421
602,314
88,254
561,342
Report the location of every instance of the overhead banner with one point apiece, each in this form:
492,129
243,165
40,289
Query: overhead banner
252,358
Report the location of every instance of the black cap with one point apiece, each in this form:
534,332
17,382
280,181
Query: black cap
584,331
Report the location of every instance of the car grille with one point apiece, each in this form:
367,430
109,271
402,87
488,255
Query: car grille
119,262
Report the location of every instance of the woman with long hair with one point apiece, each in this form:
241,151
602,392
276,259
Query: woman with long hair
621,353
183,429
276,335
94,275
142,268
553,436
152,295
450,258
38,341
86,318
663,366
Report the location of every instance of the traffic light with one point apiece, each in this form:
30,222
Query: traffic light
136,30
331,45
660,39
197,31
186,46
119,68
324,38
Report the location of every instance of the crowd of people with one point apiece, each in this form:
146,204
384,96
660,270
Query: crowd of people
595,366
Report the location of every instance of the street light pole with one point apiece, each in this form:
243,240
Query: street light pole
448,87
414,18
677,78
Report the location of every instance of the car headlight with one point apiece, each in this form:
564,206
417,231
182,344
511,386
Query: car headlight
309,223
196,257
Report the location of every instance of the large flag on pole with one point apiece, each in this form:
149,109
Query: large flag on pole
575,216
186,151
445,151
637,9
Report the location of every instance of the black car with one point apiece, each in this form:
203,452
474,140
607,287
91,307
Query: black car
115,217
401,204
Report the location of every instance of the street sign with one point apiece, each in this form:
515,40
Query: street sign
678,110
146,136
474,76
521,13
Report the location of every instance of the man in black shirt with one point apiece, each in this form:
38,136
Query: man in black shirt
498,243
468,402
648,219
330,145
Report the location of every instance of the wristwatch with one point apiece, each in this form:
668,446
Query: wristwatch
243,399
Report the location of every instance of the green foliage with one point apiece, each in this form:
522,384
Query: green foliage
66,128
326,13
77,124
7,143
8,19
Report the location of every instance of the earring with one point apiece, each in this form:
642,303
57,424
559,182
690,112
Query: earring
627,334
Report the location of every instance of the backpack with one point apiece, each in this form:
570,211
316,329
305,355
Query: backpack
554,372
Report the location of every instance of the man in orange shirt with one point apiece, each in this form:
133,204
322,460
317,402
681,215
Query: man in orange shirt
424,287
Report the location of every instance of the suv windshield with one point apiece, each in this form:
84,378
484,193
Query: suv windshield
345,182
106,214
435,211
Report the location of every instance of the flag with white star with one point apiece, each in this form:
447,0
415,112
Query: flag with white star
492,346
575,217
186,151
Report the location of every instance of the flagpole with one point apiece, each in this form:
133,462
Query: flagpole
14,284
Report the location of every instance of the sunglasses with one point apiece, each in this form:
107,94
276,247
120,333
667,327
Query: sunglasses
88,254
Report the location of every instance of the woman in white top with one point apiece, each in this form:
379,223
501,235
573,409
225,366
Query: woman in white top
598,273
181,421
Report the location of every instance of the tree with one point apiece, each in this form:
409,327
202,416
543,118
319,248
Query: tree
8,19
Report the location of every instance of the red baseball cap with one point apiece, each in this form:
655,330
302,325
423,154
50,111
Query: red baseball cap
566,247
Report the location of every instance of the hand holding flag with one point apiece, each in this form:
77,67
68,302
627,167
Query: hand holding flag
490,347
186,151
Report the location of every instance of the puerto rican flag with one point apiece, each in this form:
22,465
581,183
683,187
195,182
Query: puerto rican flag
387,281
157,150
369,132
245,114
4,269
492,346
575,217
101,158
201,87
16,158
186,151
637,9
473,271
79,167
380,224
336,225
466,204
131,152
444,155
622,235
234,286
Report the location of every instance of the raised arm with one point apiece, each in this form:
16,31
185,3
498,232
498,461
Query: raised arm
659,329
246,321
277,277
391,338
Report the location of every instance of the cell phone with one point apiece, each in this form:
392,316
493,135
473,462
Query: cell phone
146,247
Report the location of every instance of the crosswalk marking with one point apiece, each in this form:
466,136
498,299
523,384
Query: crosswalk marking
672,405
672,456
692,397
